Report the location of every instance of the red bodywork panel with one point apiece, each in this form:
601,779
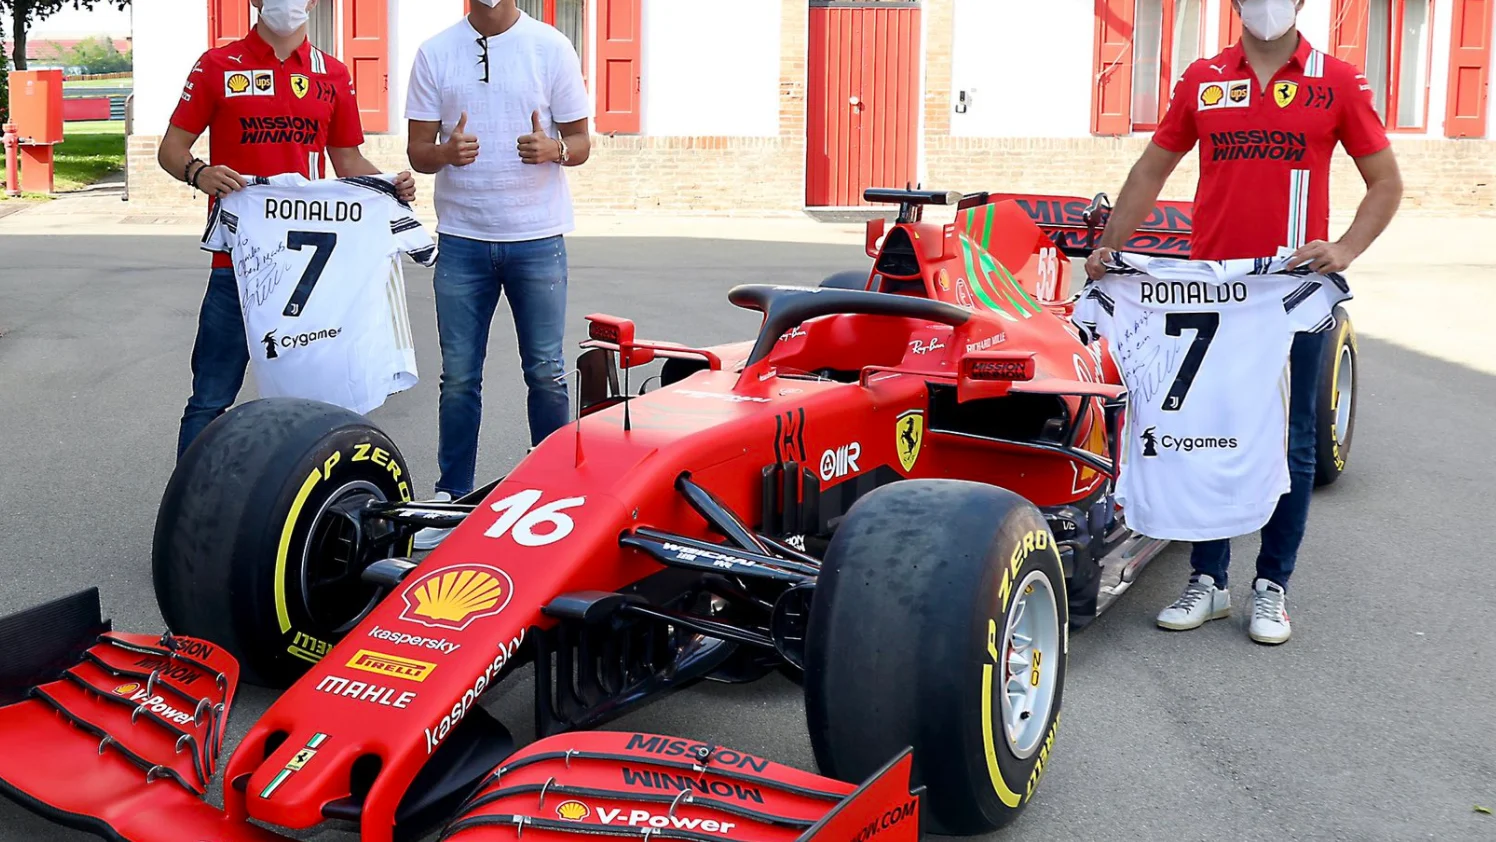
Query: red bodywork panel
623,783
397,684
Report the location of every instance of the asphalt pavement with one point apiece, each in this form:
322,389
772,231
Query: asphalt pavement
1376,722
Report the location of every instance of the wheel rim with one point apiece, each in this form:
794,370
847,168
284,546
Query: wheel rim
1032,646
332,592
1345,383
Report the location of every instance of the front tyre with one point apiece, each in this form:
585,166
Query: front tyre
1336,401
939,623
259,547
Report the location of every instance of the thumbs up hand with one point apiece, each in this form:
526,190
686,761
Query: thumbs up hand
538,147
461,148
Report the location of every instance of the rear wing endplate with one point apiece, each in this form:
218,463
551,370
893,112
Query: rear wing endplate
1075,224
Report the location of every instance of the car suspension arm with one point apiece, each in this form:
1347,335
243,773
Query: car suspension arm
702,556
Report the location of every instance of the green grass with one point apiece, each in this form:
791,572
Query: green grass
127,82
89,151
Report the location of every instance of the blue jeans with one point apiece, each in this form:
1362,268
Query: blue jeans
220,357
1284,531
470,276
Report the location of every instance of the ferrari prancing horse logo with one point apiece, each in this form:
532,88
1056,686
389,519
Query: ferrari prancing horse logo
1284,93
300,85
910,432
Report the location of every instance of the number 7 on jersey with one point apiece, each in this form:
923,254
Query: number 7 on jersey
1204,325
322,243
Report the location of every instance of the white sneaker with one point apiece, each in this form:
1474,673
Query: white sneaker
1201,601
430,537
1269,613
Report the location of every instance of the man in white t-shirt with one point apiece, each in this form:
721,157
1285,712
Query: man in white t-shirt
497,77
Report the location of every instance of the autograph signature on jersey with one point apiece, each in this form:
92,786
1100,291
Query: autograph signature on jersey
259,272
1146,364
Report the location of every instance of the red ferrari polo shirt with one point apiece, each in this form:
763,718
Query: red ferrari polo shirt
1265,154
269,117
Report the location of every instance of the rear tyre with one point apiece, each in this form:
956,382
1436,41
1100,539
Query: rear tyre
257,538
1336,402
939,623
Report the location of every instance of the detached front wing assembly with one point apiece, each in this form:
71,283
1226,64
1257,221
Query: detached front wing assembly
114,734
651,786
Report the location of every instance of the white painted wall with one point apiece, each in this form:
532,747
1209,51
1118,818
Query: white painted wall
1026,68
169,36
711,67
411,23
1438,88
1314,23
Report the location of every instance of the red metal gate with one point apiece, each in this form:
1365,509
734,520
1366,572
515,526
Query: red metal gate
863,99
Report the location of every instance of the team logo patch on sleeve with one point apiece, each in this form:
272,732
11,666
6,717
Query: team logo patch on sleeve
235,83
1284,93
264,82
300,85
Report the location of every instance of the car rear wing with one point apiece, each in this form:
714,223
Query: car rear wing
1075,224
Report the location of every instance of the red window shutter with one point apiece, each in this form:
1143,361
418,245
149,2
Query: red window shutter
1348,31
618,66
367,54
228,21
1230,25
1469,69
1111,100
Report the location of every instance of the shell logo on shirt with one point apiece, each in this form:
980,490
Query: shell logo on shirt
1211,95
235,83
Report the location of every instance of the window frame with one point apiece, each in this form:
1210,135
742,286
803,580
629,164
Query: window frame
1395,22
1166,75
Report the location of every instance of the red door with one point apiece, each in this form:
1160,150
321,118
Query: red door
863,99
1469,69
366,52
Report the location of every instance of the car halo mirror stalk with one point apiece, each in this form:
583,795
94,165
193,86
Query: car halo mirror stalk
620,332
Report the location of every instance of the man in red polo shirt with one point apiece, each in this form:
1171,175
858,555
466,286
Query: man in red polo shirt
272,104
1267,114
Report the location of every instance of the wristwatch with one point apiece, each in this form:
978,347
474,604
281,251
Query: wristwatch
565,155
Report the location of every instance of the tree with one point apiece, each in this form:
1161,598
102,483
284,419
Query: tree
92,55
23,13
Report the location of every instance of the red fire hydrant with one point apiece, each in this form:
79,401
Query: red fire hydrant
12,141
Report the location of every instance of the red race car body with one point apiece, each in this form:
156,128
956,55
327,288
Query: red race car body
662,538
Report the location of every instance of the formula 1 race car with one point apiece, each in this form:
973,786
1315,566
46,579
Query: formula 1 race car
898,494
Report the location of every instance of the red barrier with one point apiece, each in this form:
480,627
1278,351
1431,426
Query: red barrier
91,108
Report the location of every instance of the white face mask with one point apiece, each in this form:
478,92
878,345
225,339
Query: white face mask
490,3
284,16
1268,20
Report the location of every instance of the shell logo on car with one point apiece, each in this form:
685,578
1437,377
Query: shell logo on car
572,811
126,689
453,597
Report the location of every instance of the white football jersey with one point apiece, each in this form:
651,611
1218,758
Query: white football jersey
320,285
1203,348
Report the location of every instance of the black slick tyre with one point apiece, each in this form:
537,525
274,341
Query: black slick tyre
256,536
1335,405
925,593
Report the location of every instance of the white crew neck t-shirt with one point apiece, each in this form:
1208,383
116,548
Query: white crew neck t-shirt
529,67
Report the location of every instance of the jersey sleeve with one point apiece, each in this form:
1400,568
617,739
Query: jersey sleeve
1360,127
223,228
200,96
569,100
347,131
1093,312
1310,306
1176,131
423,96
